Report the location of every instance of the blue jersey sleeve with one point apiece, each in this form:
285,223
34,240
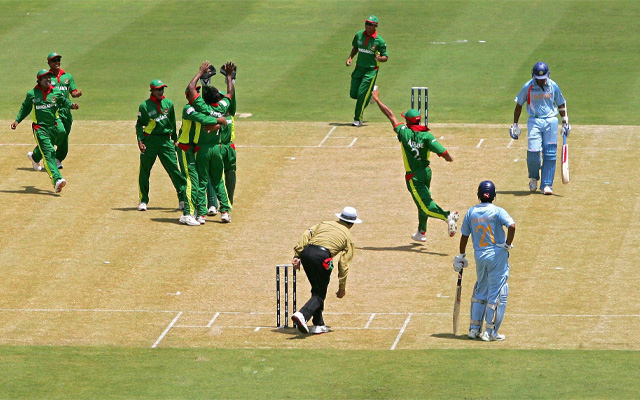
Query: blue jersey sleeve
521,97
557,95
466,224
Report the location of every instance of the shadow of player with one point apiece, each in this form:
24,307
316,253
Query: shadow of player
413,247
520,193
32,190
451,336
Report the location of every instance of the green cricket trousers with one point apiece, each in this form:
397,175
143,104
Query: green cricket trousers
159,146
418,183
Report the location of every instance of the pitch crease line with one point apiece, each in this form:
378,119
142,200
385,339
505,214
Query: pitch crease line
166,330
369,321
327,137
406,322
479,143
210,324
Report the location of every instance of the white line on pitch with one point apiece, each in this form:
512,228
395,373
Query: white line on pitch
166,330
406,322
354,140
479,143
213,320
327,137
510,143
369,321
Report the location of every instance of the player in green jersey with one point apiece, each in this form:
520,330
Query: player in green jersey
64,82
43,102
156,132
371,50
194,124
209,158
228,152
417,145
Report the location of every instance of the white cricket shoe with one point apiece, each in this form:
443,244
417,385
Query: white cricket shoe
452,222
225,217
34,164
300,322
59,164
494,338
547,190
201,219
142,207
60,183
474,333
419,236
533,184
181,205
356,123
189,220
319,329
213,210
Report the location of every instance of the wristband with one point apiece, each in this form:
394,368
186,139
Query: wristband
565,119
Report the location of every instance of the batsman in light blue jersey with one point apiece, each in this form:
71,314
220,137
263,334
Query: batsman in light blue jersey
544,100
484,223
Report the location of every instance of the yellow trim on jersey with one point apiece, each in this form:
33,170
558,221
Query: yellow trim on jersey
189,187
196,138
233,129
367,97
407,168
33,115
44,159
224,185
184,131
149,128
416,196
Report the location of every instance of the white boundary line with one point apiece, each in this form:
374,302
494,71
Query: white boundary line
406,322
166,330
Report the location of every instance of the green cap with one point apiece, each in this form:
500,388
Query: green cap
53,55
43,72
411,114
373,19
157,84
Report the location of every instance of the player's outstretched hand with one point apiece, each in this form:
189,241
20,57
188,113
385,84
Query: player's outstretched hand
514,131
204,67
14,125
460,262
75,106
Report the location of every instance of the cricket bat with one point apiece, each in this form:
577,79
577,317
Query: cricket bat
456,305
565,160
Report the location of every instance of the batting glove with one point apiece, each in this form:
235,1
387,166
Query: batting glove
566,128
460,262
505,246
514,131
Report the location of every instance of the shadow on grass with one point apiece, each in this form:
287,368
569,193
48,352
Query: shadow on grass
415,247
31,190
520,193
292,332
29,169
165,209
168,220
450,336
340,123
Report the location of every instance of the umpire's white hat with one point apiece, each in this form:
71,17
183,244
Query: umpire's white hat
349,214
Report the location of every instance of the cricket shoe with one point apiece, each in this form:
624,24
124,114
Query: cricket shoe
300,322
474,333
225,217
35,165
213,210
201,220
452,222
533,184
319,329
181,205
492,338
189,220
419,236
59,164
142,207
356,123
60,183
547,190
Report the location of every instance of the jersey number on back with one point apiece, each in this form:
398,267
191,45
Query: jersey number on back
487,234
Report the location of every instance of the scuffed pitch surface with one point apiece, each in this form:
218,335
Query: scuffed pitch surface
86,268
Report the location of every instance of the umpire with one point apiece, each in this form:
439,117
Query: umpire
315,250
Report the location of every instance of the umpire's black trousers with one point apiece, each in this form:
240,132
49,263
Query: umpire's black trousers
316,261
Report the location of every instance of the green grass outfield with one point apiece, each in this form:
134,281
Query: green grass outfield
291,54
116,373
474,56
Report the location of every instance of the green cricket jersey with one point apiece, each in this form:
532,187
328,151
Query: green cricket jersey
216,110
192,123
368,46
43,106
228,133
416,147
156,117
63,82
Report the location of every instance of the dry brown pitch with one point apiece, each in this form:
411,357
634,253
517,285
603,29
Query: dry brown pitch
86,268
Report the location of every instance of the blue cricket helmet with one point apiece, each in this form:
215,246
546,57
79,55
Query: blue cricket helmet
486,191
540,70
